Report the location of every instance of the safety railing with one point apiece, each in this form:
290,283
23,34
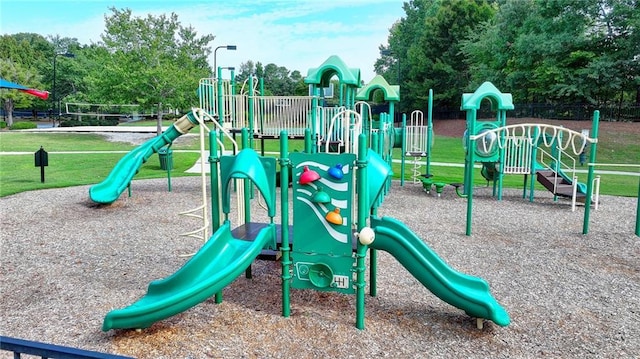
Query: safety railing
50,351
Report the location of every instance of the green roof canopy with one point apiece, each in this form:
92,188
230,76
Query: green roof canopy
391,93
321,76
499,100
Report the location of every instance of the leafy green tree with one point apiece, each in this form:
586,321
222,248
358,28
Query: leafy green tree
559,51
151,61
23,57
426,48
277,80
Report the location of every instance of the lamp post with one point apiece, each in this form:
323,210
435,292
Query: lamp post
215,53
56,105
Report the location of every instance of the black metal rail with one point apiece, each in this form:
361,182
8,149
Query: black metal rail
50,351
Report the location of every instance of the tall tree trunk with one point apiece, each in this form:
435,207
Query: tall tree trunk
159,126
8,110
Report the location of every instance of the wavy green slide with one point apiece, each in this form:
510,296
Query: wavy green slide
109,190
466,292
220,261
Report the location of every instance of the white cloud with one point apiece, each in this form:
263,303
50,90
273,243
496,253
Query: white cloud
296,34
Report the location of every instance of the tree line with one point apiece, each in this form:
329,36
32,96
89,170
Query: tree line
541,51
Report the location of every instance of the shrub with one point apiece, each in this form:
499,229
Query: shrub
23,125
3,124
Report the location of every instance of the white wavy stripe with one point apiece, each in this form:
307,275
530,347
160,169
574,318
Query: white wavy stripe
340,187
342,204
345,168
314,164
307,192
342,238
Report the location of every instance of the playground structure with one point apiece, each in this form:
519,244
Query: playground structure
237,106
520,149
337,183
324,189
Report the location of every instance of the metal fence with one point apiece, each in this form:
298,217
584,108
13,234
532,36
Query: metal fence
44,350
576,112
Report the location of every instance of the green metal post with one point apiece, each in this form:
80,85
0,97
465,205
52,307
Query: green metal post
361,250
557,152
314,121
233,102
285,163
215,178
638,211
215,189
219,97
590,174
502,116
404,149
373,253
534,155
168,176
429,131
468,181
248,185
375,144
308,142
251,107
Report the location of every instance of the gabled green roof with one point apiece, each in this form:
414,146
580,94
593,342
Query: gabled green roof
333,66
391,93
499,100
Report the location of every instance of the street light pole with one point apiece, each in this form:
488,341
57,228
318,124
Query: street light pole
215,53
56,104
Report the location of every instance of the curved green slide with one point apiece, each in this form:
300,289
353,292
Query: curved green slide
220,261
463,291
110,189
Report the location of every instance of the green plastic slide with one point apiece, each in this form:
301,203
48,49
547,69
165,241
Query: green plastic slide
110,189
465,292
220,261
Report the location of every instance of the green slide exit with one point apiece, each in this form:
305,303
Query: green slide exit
220,261
463,291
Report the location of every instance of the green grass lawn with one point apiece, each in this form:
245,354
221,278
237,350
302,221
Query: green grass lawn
18,173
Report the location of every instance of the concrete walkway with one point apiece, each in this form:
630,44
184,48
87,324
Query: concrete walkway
123,129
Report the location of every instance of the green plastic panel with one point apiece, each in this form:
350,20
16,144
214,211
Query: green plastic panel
323,272
312,232
247,164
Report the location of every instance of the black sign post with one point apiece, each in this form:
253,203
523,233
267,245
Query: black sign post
41,160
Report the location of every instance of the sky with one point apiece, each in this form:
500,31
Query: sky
296,34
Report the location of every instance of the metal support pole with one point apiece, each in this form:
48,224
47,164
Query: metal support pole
590,173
